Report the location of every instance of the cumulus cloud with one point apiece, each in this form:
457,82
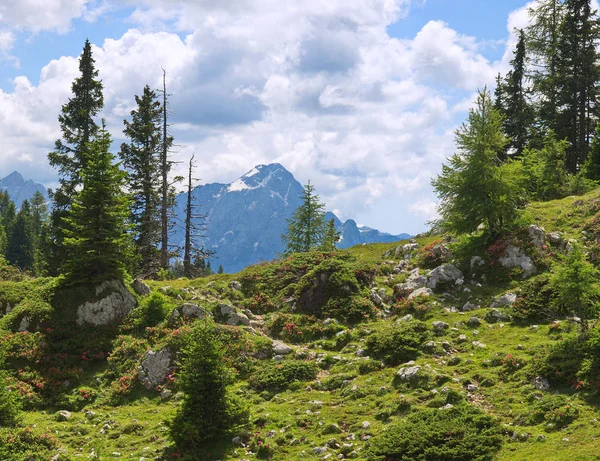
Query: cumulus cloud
317,86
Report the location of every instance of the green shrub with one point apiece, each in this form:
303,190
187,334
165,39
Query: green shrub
9,404
536,301
395,344
352,309
25,445
277,376
461,433
555,410
298,328
151,311
208,409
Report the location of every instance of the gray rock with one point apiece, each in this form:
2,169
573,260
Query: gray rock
410,247
441,252
440,327
115,302
280,348
140,287
515,257
495,315
570,244
328,322
375,298
555,239
446,273
478,345
477,261
232,316
472,387
469,306
425,292
409,373
319,450
462,338
541,384
473,322
406,318
235,285
507,299
190,311
24,325
537,235
63,415
155,368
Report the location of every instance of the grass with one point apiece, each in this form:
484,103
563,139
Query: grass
351,400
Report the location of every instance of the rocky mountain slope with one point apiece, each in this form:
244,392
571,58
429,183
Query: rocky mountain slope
20,189
245,219
437,348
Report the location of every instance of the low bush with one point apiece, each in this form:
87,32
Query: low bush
278,376
395,344
461,433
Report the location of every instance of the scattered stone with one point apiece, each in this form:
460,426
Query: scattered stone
541,384
537,235
63,415
366,425
235,285
472,388
361,352
469,306
24,325
140,287
477,261
90,414
328,322
155,368
190,311
555,239
446,273
462,339
406,318
280,348
410,247
115,302
319,450
478,345
332,429
495,315
424,292
448,406
473,322
440,327
232,316
507,299
441,252
408,374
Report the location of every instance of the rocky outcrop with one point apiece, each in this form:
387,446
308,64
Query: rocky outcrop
232,316
115,302
537,235
192,311
507,299
425,292
155,368
140,287
444,274
516,257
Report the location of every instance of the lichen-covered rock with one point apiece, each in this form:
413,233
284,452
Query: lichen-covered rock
440,327
115,302
155,368
280,348
140,287
235,285
495,315
537,235
190,311
446,273
555,239
24,325
410,247
409,374
507,299
232,316
516,257
541,384
425,292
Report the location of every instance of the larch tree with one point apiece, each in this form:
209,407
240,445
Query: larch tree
306,228
473,188
141,157
96,233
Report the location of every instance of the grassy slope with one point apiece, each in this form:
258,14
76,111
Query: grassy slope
300,416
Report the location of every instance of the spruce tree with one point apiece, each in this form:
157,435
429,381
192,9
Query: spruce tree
70,156
21,245
592,166
517,113
576,79
306,228
473,189
220,270
331,236
142,159
96,231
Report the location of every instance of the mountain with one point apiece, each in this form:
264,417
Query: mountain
19,189
246,218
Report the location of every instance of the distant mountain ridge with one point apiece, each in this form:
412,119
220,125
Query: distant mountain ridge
20,189
247,217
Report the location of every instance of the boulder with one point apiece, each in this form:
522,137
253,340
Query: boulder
469,306
537,235
507,299
473,322
440,327
115,303
515,257
24,325
477,261
408,374
414,281
63,415
155,368
190,311
555,239
140,287
424,292
232,316
375,298
440,252
235,285
410,247
446,273
495,315
280,348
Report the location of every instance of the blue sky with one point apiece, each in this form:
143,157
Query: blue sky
360,97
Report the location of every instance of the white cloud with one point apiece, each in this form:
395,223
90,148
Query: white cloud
317,86
38,15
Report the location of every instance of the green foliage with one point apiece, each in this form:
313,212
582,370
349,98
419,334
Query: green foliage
555,411
461,433
473,190
152,310
278,376
208,409
306,230
97,240
10,406
400,343
536,301
141,159
25,445
331,237
296,328
576,285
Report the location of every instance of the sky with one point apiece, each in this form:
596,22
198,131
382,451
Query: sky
360,97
